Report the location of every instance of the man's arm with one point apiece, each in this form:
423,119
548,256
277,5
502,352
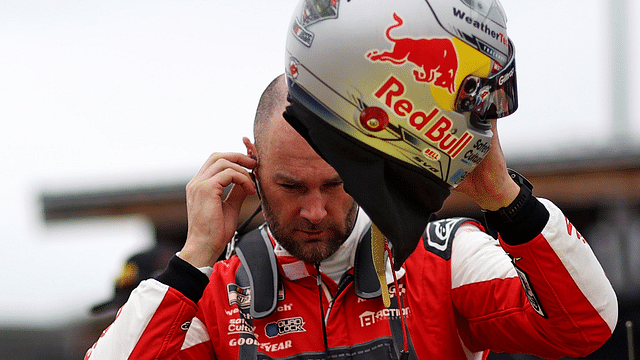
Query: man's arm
160,313
212,220
490,184
548,295
153,324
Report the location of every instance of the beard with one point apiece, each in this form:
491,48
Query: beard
302,249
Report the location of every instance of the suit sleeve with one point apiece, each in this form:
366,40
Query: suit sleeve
159,320
547,295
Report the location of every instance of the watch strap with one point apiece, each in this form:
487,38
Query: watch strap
508,212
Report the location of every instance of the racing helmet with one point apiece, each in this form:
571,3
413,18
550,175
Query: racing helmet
397,96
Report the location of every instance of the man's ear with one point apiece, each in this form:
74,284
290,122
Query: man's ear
251,148
253,153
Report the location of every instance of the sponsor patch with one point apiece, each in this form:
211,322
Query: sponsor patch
435,60
240,326
285,326
239,295
439,235
528,289
369,318
268,347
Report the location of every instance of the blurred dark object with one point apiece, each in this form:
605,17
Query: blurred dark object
141,266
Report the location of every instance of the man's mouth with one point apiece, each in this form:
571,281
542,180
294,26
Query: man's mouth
311,234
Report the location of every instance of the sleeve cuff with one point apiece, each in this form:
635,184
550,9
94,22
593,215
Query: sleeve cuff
527,223
185,278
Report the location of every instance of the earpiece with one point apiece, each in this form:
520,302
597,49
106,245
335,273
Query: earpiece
255,181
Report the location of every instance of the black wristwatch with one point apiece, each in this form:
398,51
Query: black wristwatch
526,191
520,221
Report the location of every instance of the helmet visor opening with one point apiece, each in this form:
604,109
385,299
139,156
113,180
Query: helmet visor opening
493,97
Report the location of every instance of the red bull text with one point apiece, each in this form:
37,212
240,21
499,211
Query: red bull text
436,60
433,125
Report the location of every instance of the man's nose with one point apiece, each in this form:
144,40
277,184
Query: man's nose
314,207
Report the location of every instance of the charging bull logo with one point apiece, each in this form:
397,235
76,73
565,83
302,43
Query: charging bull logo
436,59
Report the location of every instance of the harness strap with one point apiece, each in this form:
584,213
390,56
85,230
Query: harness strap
259,275
259,262
367,285
247,344
395,323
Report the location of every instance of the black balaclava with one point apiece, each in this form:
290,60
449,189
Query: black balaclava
398,198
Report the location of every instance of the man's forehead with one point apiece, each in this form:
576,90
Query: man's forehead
283,139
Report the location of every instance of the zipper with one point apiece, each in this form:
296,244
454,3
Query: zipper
322,317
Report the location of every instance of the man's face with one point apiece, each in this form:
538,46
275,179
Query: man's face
303,200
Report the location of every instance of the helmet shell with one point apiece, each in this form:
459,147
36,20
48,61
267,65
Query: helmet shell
387,74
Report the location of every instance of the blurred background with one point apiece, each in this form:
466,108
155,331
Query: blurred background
109,108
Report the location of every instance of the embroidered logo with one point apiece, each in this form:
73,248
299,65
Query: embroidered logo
239,295
285,326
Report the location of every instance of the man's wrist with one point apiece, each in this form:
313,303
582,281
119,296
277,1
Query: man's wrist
521,220
508,212
185,278
197,255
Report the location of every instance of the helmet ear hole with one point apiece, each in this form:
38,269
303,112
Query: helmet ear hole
374,119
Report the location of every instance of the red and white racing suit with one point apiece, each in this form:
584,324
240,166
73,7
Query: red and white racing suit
463,296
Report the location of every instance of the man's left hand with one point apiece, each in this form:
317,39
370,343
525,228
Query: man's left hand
489,184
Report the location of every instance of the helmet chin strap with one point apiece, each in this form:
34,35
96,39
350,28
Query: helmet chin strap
379,246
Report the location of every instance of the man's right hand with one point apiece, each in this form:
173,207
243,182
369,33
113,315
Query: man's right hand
212,220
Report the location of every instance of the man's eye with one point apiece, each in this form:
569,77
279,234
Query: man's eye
290,186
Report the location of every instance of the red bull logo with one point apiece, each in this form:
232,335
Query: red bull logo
436,60
433,124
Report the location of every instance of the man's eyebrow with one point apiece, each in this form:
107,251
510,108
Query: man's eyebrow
286,178
336,179
289,179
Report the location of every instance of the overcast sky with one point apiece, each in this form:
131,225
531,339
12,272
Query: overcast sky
99,95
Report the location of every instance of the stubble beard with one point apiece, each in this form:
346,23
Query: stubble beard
309,252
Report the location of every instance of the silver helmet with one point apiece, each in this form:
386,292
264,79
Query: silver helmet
414,82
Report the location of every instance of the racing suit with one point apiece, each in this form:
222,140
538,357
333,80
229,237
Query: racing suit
538,289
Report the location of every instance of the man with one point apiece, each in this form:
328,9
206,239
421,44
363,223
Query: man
455,307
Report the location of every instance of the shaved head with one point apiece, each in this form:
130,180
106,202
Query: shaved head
270,106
